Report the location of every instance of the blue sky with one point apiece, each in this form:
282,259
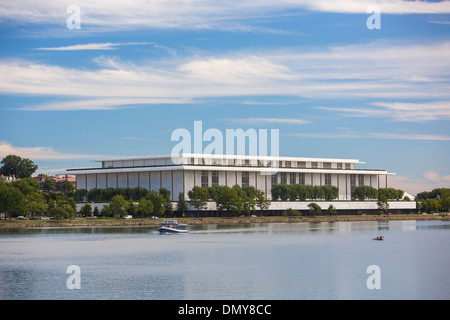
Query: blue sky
137,70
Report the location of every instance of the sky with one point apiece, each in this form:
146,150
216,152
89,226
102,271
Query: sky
356,79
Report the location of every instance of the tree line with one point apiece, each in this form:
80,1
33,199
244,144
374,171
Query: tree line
301,192
23,198
437,200
235,199
141,202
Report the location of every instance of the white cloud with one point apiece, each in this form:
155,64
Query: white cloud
374,135
438,178
410,136
39,153
401,111
430,180
268,120
101,104
343,72
193,14
236,69
92,46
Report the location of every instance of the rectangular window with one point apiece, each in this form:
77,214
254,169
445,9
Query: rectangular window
352,183
204,178
245,178
283,178
301,178
314,164
287,164
273,180
215,178
339,165
301,164
347,166
327,165
360,179
328,179
292,177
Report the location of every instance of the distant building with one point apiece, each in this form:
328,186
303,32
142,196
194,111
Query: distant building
7,178
189,170
59,179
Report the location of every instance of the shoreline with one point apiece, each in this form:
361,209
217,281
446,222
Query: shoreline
210,220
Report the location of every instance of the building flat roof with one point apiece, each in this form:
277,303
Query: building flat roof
227,156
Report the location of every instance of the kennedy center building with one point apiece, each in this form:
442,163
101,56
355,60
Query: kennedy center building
182,173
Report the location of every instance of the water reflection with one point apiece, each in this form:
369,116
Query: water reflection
319,227
245,261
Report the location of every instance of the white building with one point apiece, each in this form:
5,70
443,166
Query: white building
189,170
181,174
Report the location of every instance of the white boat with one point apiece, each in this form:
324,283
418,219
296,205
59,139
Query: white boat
172,226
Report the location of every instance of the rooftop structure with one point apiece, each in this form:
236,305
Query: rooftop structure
183,172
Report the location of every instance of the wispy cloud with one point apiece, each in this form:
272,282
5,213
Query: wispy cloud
373,135
396,136
101,104
268,120
396,72
429,180
92,46
400,111
436,177
39,153
196,14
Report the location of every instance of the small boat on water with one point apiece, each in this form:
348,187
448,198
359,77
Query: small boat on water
380,238
172,226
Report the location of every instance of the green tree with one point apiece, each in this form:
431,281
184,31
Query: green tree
429,205
67,186
314,209
198,197
12,202
59,213
158,202
49,184
118,206
383,204
229,200
331,210
144,207
261,201
86,210
17,166
181,204
248,205
291,213
36,204
132,209
330,192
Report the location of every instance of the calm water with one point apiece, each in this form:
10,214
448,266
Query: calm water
252,261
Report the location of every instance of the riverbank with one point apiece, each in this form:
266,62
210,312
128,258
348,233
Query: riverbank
212,220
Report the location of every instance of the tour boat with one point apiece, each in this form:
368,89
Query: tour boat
172,226
378,238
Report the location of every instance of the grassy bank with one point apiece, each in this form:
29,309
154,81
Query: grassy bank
78,222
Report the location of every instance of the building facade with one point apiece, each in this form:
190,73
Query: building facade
182,173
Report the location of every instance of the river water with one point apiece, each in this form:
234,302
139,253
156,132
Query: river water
248,261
